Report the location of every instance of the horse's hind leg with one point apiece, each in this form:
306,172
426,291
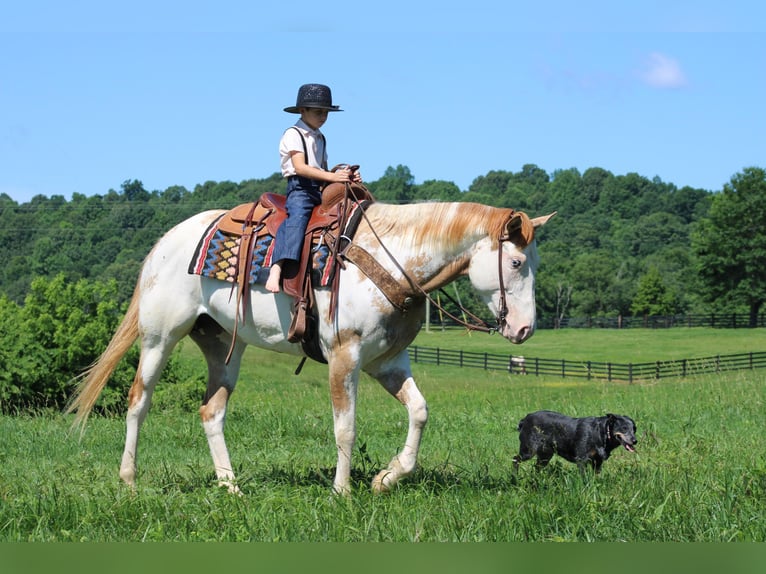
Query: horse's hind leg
154,357
214,342
399,382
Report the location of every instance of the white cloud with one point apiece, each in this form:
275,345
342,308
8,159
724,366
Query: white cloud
661,71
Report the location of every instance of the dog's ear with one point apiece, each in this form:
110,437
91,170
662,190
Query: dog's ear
610,416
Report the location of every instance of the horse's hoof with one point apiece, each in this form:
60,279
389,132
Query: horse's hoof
341,491
383,482
231,486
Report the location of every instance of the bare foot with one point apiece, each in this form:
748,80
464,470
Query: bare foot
272,283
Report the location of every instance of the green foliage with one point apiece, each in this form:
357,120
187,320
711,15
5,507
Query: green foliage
609,232
60,330
396,185
653,296
52,338
730,243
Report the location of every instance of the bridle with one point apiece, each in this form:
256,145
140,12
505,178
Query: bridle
502,310
476,323
480,324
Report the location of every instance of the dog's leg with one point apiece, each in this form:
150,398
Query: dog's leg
543,460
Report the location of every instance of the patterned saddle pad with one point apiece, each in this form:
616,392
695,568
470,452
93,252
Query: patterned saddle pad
217,255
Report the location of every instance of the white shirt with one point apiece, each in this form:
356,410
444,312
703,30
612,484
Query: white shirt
291,142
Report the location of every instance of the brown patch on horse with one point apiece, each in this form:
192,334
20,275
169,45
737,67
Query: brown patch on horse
521,229
136,389
342,364
214,404
393,382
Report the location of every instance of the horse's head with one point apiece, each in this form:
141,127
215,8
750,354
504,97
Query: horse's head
502,270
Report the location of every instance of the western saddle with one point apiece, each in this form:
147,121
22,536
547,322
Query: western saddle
333,223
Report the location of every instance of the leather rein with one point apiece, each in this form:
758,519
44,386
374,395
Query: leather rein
477,323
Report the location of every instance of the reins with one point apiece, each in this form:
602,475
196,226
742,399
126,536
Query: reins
478,323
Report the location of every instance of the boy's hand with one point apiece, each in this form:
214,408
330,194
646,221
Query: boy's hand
347,173
343,175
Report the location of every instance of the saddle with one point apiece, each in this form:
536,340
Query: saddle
329,220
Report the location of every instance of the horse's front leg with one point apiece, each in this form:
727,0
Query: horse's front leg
344,377
399,382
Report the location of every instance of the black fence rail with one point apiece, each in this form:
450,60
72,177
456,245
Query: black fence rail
631,372
716,321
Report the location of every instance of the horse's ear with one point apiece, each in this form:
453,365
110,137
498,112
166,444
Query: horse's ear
521,230
542,220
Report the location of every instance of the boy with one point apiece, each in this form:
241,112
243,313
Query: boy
303,155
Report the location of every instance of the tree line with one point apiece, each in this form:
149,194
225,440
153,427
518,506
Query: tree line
621,245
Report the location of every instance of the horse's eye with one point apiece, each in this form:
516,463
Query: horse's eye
515,263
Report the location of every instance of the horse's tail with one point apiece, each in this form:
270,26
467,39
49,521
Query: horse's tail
94,379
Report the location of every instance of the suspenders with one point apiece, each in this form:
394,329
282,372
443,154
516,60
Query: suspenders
323,162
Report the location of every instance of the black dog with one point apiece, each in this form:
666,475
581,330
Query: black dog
585,441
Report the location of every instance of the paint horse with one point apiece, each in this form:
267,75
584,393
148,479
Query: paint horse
422,246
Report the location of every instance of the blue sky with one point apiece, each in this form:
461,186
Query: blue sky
179,93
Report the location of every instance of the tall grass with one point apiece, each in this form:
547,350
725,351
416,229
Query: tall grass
699,473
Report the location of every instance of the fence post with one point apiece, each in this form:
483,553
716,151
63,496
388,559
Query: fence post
437,356
589,370
630,373
657,371
609,372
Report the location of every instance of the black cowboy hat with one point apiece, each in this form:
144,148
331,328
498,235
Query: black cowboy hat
313,96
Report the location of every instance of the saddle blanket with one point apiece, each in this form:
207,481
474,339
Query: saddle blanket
217,257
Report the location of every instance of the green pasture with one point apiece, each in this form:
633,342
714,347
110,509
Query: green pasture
699,473
618,346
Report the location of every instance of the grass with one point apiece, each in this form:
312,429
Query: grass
699,474
618,346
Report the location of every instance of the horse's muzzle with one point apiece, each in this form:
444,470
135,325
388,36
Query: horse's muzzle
517,335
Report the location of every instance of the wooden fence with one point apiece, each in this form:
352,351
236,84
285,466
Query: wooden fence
631,372
716,321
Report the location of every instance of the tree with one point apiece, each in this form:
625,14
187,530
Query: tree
133,190
53,337
396,185
653,297
599,285
59,331
437,190
730,244
490,188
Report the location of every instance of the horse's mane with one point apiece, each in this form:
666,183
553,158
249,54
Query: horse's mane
436,225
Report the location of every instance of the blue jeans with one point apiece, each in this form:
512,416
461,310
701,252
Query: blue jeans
303,195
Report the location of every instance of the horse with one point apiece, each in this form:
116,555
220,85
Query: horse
423,246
